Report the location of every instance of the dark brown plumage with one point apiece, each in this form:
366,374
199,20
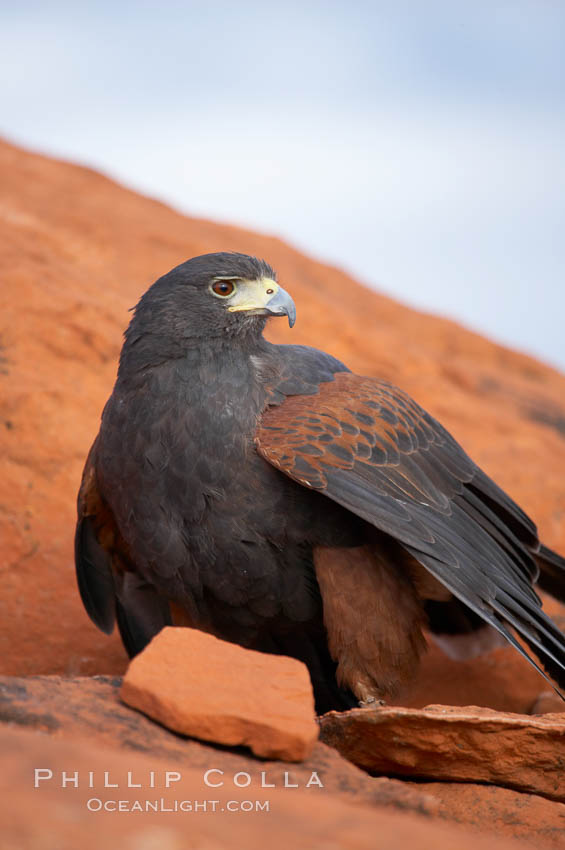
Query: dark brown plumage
380,526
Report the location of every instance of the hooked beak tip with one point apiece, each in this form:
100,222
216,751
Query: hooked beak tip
281,304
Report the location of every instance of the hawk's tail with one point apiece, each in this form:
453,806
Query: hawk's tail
552,572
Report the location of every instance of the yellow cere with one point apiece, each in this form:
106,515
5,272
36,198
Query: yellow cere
253,294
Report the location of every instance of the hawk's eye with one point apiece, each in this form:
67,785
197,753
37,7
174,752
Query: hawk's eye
223,288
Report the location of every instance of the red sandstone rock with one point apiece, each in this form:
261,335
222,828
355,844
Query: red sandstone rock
77,251
91,708
499,679
201,686
548,702
502,812
53,817
465,744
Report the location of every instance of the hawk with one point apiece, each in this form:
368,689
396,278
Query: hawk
266,494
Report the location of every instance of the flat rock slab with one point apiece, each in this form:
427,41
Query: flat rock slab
451,743
50,816
198,685
90,708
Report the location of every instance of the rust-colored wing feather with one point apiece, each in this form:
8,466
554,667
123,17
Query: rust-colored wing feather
370,447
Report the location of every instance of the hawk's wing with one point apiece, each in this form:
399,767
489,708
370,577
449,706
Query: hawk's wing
94,541
110,590
372,449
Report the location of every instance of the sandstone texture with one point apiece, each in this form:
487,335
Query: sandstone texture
90,708
201,686
502,812
547,702
500,679
52,818
76,252
455,743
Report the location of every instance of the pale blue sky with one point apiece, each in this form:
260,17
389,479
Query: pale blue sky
420,145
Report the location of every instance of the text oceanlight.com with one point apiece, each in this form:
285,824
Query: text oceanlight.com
95,804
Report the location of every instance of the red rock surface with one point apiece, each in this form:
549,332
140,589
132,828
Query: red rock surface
201,686
499,679
77,251
53,818
502,812
90,708
548,702
464,744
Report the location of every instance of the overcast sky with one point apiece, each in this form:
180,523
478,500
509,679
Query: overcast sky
419,145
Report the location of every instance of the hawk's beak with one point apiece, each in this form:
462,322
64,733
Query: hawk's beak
281,304
263,297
